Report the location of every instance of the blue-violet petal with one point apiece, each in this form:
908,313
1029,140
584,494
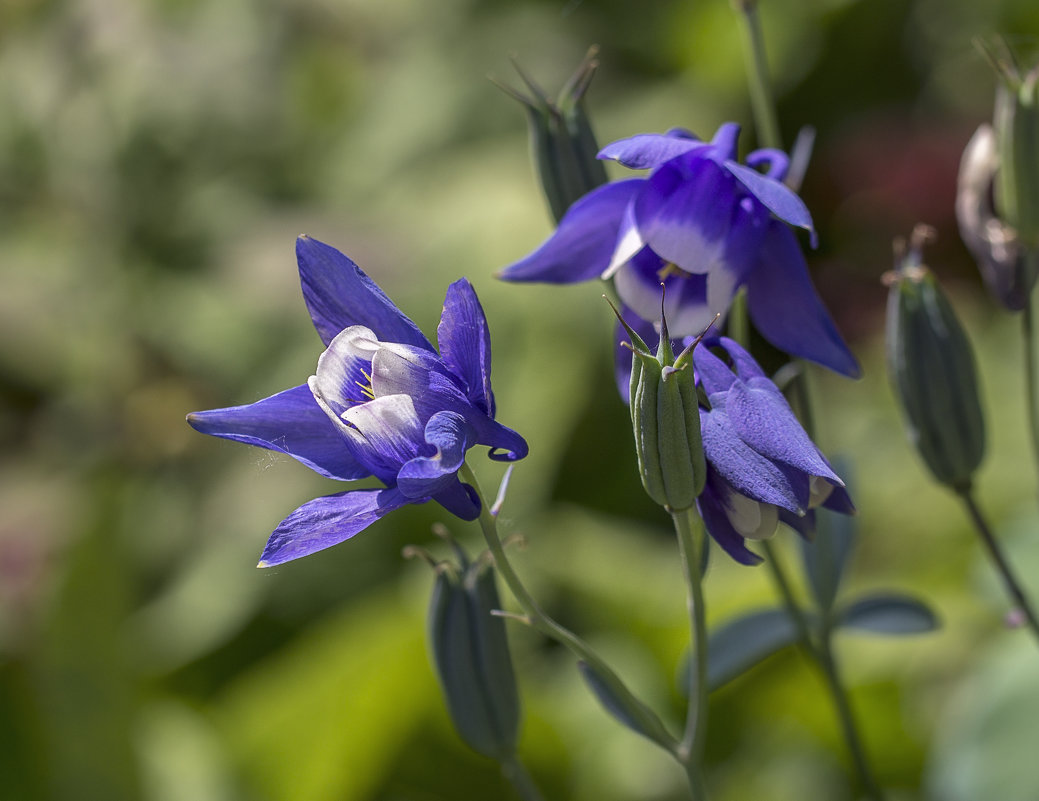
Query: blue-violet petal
645,151
338,294
786,309
290,422
582,245
465,343
324,522
425,476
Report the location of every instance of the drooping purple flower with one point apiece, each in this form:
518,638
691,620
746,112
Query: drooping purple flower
762,468
382,402
704,225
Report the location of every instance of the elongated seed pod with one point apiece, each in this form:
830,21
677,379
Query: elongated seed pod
472,660
932,369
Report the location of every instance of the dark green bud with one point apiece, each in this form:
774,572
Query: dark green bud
562,142
471,657
665,418
932,369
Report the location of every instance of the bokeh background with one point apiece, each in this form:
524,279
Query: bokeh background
157,160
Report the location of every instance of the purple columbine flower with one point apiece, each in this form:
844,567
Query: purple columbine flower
704,225
762,468
382,403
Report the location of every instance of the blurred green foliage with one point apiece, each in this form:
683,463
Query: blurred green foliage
157,159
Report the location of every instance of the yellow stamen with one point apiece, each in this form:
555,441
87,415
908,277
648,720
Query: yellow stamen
366,388
670,269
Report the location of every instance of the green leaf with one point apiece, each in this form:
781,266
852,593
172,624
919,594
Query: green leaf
889,613
629,711
738,645
826,556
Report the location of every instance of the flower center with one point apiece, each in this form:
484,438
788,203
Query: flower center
670,269
366,388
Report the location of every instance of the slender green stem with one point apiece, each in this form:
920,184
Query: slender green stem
766,120
762,100
801,389
694,775
793,608
1031,351
690,531
1010,582
828,665
648,723
737,322
519,777
820,650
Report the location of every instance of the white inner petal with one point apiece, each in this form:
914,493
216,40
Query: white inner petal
628,244
721,288
393,368
333,415
337,367
686,319
389,424
819,490
751,519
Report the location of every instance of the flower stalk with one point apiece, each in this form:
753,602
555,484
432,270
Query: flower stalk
690,530
519,777
1029,334
608,683
1002,565
819,649
762,100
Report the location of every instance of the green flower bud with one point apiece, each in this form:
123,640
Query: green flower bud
471,656
665,418
932,368
562,141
